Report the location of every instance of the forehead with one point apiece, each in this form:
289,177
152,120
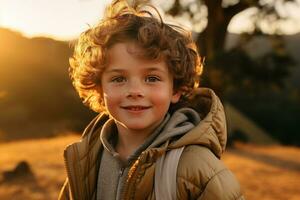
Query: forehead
124,49
130,55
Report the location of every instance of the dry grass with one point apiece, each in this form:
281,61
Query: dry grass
265,173
46,159
269,173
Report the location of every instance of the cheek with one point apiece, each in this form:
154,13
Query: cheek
110,104
161,97
109,93
110,98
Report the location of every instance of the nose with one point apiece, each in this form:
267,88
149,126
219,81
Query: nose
135,89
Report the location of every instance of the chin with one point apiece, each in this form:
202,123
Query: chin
136,127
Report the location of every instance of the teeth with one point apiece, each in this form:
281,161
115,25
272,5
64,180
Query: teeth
135,108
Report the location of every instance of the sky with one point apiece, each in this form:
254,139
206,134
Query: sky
62,19
66,19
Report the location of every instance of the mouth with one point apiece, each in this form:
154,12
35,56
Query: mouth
135,108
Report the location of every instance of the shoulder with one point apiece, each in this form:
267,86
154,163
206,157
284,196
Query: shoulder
200,171
201,164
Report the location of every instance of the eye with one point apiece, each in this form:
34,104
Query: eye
152,79
118,79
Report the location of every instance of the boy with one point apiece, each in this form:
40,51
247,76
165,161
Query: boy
141,74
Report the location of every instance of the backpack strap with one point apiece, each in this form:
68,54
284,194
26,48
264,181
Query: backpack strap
165,184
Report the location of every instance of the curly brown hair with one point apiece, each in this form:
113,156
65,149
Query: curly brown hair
122,23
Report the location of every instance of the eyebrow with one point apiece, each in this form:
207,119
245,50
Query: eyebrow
119,70
155,69
114,70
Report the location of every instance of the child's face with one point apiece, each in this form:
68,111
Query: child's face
137,92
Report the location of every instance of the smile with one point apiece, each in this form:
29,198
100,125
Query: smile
135,108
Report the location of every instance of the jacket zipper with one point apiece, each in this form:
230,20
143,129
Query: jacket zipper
121,172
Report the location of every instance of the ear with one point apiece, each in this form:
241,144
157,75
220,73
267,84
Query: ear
175,97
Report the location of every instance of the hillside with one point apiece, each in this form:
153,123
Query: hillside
265,173
35,91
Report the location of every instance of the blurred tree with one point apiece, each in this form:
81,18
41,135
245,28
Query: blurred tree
236,70
212,18
219,13
256,85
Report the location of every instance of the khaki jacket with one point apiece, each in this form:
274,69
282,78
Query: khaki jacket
200,173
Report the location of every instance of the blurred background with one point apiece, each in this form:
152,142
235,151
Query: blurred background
252,61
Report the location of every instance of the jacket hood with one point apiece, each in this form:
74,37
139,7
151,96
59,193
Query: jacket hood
211,131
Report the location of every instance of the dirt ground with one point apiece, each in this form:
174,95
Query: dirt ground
264,172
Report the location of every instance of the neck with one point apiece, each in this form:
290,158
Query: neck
130,140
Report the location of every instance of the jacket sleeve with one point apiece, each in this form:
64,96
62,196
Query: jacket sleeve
65,191
222,186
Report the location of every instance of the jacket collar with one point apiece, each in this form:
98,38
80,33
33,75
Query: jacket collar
211,131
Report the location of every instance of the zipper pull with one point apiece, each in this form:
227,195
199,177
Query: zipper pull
121,171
